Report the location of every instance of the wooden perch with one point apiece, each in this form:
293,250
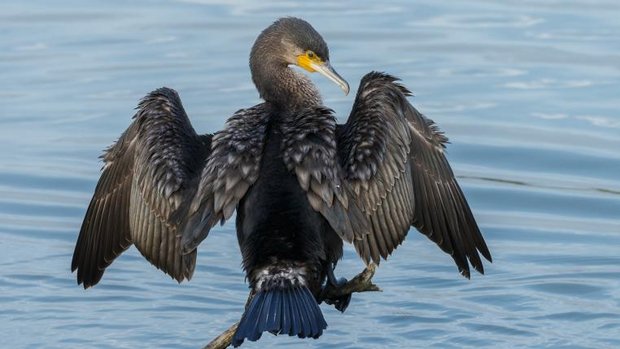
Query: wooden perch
223,340
362,282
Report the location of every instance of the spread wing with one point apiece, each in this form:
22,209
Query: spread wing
393,158
231,169
148,174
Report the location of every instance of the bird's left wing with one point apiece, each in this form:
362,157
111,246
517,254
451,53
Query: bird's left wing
230,170
393,160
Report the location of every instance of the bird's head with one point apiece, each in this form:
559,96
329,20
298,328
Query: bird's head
293,41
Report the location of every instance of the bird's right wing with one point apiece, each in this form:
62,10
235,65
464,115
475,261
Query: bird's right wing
148,174
231,169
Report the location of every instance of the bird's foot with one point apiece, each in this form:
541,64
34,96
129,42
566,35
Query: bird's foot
341,302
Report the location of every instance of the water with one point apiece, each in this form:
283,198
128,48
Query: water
527,92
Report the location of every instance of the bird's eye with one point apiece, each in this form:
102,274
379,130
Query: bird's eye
310,54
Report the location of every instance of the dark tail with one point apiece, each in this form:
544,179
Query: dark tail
291,311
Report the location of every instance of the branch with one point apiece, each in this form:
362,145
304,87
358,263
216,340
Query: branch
362,282
223,340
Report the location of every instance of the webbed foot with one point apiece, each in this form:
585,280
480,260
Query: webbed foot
341,303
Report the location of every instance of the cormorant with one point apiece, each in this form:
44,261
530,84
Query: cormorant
300,183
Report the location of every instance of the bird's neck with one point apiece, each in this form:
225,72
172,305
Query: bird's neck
286,88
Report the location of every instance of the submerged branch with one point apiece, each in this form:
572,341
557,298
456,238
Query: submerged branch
362,282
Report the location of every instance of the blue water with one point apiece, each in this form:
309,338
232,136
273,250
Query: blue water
527,91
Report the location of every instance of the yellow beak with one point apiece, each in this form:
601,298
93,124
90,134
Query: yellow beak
323,68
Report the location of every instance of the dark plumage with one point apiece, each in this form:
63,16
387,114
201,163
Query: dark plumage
300,183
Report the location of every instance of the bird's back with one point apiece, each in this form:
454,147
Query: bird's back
283,242
275,221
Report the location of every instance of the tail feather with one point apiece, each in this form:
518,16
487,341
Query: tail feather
306,315
310,313
291,311
252,320
275,313
303,323
255,321
293,318
263,319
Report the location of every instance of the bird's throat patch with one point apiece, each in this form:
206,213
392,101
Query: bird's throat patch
307,60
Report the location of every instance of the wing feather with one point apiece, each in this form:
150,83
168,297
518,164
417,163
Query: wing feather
230,170
102,239
393,159
148,173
